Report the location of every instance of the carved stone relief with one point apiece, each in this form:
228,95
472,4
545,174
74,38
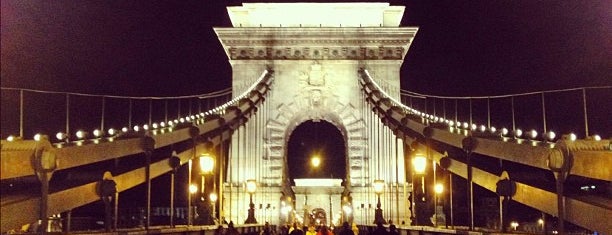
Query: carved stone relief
317,53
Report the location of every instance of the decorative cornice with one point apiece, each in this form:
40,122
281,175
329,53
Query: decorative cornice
316,43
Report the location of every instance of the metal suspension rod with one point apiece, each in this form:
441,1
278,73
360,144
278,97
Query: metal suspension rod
471,121
102,115
488,112
512,107
434,106
150,111
130,114
165,110
21,113
455,111
67,114
543,113
178,115
444,108
584,107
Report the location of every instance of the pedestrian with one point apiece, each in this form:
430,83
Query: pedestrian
311,230
393,230
296,230
346,229
231,230
267,230
219,230
355,228
324,231
380,229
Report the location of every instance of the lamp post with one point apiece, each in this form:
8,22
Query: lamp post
438,189
207,164
379,186
419,163
251,186
193,189
213,201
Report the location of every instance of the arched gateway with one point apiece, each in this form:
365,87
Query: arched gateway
315,50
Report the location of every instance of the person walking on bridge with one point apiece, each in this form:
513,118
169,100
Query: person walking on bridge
380,230
296,230
266,230
346,229
231,230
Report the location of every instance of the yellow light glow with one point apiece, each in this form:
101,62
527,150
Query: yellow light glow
419,162
97,133
514,224
533,134
60,136
207,163
193,188
80,134
213,197
518,133
379,185
315,161
37,137
439,188
251,186
347,209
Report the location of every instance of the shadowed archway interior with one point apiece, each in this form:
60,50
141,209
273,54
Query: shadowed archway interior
321,139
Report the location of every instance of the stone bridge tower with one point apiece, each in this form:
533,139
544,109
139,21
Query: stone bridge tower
316,50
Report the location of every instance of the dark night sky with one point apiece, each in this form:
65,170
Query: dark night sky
168,48
164,48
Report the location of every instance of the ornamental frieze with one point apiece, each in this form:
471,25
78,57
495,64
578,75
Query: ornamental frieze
316,53
238,42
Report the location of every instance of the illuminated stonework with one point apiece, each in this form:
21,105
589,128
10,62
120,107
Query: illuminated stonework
316,53
316,15
316,43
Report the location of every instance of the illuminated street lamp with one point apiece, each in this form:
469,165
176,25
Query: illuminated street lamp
315,161
514,225
207,164
213,200
251,186
438,189
193,189
419,164
379,186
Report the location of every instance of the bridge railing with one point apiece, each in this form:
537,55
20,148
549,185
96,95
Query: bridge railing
26,158
561,158
27,112
542,115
